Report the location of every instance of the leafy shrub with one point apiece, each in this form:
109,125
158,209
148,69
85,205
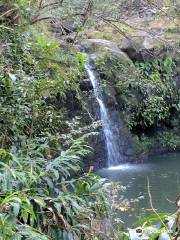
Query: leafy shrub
42,193
148,99
41,179
147,95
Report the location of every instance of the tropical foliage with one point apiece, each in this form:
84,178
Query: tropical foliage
148,96
45,193
40,195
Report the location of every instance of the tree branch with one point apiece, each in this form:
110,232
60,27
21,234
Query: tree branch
59,3
40,19
151,204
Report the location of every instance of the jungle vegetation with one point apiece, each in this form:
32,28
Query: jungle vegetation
44,191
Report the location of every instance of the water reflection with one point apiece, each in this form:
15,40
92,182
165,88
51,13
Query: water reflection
164,175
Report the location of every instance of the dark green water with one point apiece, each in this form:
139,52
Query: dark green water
164,175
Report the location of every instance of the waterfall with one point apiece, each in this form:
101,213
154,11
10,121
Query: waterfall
110,128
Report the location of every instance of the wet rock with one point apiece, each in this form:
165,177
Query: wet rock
110,97
86,85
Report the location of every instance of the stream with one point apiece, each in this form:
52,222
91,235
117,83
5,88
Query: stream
164,175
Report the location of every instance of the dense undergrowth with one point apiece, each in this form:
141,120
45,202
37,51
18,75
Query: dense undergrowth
148,97
44,193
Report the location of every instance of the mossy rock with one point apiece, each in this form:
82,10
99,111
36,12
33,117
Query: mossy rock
113,57
146,48
143,39
98,45
112,64
115,68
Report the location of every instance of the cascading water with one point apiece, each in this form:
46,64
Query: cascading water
110,128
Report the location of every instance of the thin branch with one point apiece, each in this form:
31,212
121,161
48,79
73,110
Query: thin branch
151,204
32,125
178,217
119,30
88,11
46,7
112,22
40,4
40,19
7,13
132,27
51,4
172,18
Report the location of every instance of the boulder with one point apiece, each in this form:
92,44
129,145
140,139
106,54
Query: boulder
146,48
141,38
101,46
94,45
86,85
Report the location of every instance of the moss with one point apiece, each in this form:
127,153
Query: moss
115,67
141,146
113,33
105,34
147,97
164,141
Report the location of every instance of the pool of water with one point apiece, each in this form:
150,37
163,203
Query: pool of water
164,176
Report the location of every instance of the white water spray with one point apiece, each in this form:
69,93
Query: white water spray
109,126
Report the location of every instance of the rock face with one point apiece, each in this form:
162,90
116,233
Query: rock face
143,48
141,38
146,40
86,85
100,46
98,49
147,48
94,45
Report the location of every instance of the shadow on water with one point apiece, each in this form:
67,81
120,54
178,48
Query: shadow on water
164,174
